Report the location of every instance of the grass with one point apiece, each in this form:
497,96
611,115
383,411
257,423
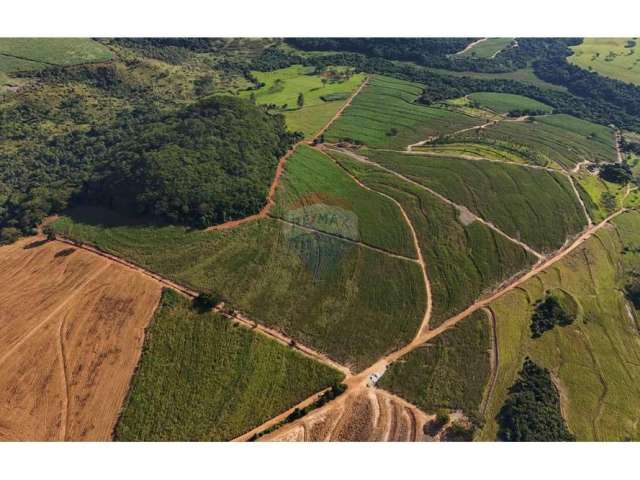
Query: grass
477,150
610,57
386,104
507,102
506,195
595,361
12,64
487,48
449,372
202,378
525,75
553,139
282,87
591,188
55,51
317,193
463,260
315,288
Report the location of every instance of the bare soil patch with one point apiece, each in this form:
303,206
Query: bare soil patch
71,330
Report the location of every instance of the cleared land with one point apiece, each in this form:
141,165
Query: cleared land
71,329
487,48
450,372
554,139
314,287
318,194
385,114
54,51
507,102
370,415
617,58
506,195
463,258
321,98
203,378
595,362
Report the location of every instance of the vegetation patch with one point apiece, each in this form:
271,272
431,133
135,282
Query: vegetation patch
514,105
532,411
547,314
202,378
280,90
487,48
56,51
315,288
318,194
506,195
450,372
463,259
593,361
387,102
617,58
560,139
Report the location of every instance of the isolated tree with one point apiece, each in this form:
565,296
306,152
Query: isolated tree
300,100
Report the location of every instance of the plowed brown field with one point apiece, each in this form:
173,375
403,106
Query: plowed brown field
71,330
369,415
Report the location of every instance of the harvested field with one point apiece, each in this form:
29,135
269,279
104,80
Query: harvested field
313,287
370,415
71,329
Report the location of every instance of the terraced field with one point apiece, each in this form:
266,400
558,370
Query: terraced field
385,114
555,139
507,102
449,372
463,258
314,287
318,194
321,98
201,378
506,195
595,362
617,58
371,415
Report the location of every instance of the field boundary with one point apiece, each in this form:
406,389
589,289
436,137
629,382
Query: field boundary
264,212
441,197
237,317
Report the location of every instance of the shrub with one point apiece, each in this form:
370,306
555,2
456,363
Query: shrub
532,411
549,313
616,173
206,301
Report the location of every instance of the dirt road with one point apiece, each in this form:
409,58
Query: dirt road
462,209
280,169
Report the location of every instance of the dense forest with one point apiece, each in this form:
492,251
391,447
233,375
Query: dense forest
531,413
206,163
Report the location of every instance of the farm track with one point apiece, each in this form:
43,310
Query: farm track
264,212
345,239
460,208
236,317
495,363
471,45
53,313
416,244
357,383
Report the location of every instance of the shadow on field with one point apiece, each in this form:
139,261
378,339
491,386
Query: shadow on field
35,244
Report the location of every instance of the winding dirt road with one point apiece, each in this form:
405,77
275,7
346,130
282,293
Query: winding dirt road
264,212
